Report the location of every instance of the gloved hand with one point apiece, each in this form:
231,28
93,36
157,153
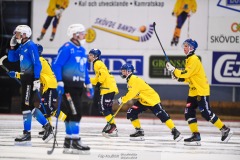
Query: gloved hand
13,41
172,13
119,100
173,76
59,12
60,88
36,85
90,91
97,87
170,67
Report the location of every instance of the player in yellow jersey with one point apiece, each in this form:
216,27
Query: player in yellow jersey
105,90
182,10
147,99
198,96
54,11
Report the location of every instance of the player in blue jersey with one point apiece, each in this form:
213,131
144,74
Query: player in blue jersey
70,68
31,67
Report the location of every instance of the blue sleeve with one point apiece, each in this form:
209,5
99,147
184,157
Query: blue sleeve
13,55
87,78
36,62
61,59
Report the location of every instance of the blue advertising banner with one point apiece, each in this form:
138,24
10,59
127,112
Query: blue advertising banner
113,63
226,68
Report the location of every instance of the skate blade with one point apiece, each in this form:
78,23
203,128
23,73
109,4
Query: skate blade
228,137
82,152
48,138
40,136
67,151
179,138
26,143
195,143
106,135
137,138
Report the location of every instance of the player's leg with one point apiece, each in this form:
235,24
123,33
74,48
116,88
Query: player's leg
132,115
159,112
190,117
105,108
74,117
45,27
206,112
54,28
180,21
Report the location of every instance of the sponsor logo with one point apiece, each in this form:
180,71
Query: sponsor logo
230,4
226,68
123,30
114,63
235,27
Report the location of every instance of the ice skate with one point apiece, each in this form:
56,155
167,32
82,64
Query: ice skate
78,148
110,131
40,37
24,140
176,135
48,134
175,41
67,146
52,37
41,133
194,140
138,135
226,134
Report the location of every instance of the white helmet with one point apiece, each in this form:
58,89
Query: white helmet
75,28
24,29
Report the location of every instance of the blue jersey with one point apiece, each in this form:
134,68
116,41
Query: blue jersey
70,65
28,55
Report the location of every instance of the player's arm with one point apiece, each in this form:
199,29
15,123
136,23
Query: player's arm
13,55
187,72
132,92
35,60
61,59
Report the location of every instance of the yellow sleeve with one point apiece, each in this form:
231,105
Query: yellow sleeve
194,6
177,8
132,92
187,72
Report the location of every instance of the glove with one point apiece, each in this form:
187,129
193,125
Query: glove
13,41
170,67
59,12
119,100
12,74
172,13
181,79
90,91
97,87
36,85
60,88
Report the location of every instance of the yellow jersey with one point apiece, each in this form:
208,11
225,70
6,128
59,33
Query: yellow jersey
52,6
103,76
195,76
185,5
47,77
139,89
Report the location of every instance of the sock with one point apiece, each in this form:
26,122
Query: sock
68,130
136,123
75,128
49,120
27,120
108,118
219,124
62,116
193,127
37,114
169,123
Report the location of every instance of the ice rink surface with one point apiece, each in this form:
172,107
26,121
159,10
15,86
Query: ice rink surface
158,144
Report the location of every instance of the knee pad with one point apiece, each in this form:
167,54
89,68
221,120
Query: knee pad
132,114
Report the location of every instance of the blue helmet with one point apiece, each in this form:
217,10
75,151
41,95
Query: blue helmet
95,52
40,49
128,67
191,43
